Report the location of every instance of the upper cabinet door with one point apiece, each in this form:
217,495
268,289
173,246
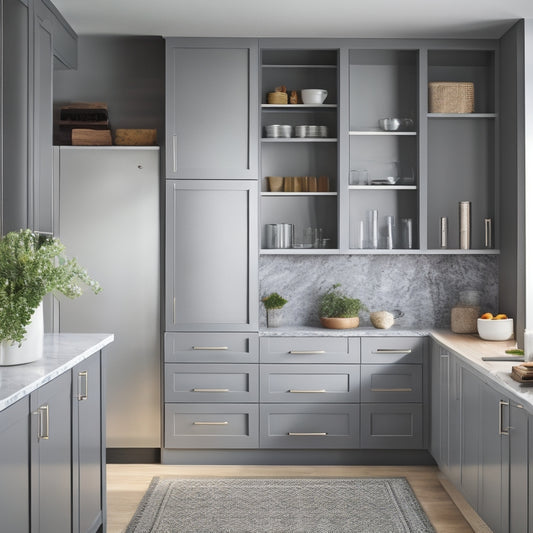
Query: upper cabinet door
211,108
211,255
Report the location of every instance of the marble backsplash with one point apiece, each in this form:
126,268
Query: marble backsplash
423,287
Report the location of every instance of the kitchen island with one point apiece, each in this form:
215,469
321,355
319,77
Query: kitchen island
52,437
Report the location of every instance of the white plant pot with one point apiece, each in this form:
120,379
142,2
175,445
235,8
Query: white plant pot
274,317
31,348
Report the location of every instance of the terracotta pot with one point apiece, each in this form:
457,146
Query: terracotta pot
340,323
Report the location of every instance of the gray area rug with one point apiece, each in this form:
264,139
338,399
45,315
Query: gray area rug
239,505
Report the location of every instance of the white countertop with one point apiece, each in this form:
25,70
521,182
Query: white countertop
61,352
309,331
471,348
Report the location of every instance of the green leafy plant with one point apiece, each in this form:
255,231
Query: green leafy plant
31,266
274,301
335,304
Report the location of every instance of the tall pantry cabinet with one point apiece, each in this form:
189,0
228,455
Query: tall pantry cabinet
211,279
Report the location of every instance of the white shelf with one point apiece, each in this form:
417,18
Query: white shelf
298,193
461,115
299,140
382,187
296,107
300,66
299,251
381,132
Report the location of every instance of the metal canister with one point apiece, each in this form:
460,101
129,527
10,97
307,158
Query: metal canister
464,225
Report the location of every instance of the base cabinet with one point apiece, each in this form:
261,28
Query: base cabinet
480,439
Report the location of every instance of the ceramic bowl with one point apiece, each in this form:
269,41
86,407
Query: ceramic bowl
495,330
314,96
390,124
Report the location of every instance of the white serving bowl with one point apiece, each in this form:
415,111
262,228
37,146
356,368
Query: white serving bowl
495,330
314,96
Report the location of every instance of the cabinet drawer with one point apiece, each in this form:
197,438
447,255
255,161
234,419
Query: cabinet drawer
309,426
211,383
307,350
211,348
391,383
392,349
392,426
309,383
211,426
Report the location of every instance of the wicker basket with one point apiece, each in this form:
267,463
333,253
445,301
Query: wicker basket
277,98
451,97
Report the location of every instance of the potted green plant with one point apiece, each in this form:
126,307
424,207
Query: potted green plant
31,266
338,311
273,304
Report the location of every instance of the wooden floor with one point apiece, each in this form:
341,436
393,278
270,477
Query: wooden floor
126,485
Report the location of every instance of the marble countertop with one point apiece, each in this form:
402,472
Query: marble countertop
61,352
470,348
309,331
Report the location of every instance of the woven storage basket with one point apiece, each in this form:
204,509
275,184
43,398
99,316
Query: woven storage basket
277,98
451,97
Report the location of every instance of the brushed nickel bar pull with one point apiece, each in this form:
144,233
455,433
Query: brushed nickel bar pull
407,389
175,153
385,350
210,390
318,434
44,422
313,391
210,348
306,352
500,418
519,406
225,423
83,380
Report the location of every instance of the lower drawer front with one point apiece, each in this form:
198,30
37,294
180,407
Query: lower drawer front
211,426
391,426
211,383
309,426
391,383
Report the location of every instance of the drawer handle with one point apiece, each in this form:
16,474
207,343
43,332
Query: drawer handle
385,350
225,423
501,431
210,390
305,391
407,389
319,434
306,352
210,348
44,422
83,384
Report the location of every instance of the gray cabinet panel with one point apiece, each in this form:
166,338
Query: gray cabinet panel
211,106
519,458
88,446
211,347
51,456
306,350
309,383
211,383
392,349
65,39
391,383
391,426
14,465
211,251
309,426
211,426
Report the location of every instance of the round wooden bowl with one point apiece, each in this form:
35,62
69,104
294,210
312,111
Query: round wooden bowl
340,323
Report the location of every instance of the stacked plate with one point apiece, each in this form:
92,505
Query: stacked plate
278,131
311,131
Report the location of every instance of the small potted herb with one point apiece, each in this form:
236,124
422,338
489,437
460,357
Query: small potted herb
31,266
273,304
338,311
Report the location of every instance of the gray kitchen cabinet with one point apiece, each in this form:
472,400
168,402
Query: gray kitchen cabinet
51,456
14,464
211,255
211,108
211,425
310,425
207,347
299,66
88,446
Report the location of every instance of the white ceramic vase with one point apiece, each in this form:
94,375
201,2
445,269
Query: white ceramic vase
31,348
274,317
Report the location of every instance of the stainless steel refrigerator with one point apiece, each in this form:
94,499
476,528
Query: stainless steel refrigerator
108,217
